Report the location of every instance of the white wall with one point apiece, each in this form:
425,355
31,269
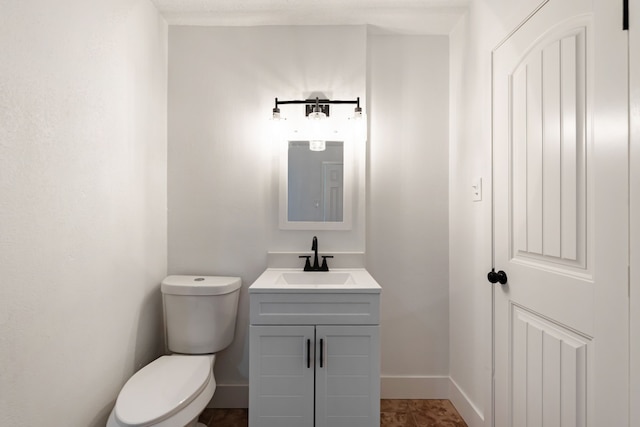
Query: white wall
473,39
82,205
223,188
407,210
223,174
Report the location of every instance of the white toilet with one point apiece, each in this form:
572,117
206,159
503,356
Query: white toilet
172,391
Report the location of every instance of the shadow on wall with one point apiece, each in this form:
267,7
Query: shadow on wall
147,343
149,338
101,419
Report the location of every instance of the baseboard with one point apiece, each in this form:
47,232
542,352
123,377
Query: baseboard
391,387
414,387
467,410
230,396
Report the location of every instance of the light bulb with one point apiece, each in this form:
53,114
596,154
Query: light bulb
277,126
359,125
317,124
317,115
317,145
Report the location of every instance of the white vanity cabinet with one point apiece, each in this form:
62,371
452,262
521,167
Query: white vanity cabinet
314,358
322,376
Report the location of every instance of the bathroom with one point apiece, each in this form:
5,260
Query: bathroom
133,147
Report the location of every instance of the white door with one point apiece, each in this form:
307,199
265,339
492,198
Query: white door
333,183
560,138
281,375
347,376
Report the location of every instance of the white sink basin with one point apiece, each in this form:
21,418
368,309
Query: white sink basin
305,278
339,280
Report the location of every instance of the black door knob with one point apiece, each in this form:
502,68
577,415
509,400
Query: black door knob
499,277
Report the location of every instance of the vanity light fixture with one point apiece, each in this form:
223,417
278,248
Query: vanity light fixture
317,110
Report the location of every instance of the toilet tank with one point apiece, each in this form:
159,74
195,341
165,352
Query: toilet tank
199,312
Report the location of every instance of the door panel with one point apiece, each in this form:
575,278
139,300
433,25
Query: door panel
333,176
547,106
549,371
348,379
281,393
561,220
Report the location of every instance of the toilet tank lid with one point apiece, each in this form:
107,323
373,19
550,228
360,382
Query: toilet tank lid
200,285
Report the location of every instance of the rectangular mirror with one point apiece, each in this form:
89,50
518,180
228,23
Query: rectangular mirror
315,186
315,182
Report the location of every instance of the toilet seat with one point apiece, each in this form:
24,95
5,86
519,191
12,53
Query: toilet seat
163,388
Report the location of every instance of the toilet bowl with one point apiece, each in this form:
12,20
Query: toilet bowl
172,391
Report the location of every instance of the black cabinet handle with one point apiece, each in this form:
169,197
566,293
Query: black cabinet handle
308,353
321,352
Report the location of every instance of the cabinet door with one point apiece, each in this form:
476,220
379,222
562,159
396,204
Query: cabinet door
281,365
347,376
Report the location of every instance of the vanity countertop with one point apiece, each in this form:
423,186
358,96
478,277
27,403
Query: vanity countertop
292,280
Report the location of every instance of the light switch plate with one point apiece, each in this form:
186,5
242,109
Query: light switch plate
477,190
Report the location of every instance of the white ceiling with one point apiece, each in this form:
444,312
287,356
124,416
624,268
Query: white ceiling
384,16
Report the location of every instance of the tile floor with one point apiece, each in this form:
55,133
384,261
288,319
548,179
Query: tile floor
393,413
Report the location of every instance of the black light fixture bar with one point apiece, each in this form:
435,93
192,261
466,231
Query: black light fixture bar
318,101
319,104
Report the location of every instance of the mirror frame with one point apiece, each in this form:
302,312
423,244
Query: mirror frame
348,183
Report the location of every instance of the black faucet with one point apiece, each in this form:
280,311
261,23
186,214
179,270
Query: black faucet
314,248
315,266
